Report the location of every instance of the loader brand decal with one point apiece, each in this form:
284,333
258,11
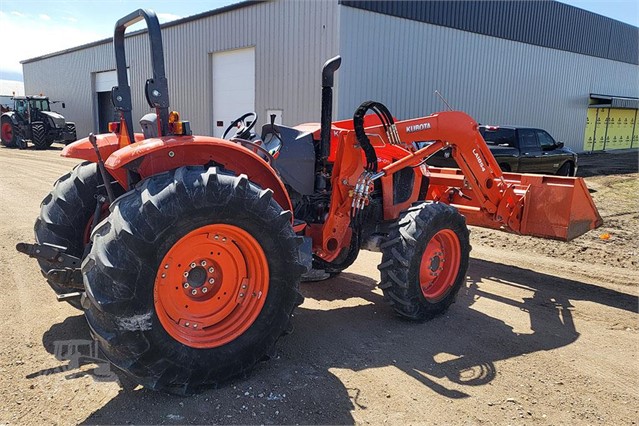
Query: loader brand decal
479,160
417,127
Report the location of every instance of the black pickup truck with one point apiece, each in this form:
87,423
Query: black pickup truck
521,150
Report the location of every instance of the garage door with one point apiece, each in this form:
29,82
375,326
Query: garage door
233,86
104,81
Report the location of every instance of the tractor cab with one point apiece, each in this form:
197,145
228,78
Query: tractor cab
39,103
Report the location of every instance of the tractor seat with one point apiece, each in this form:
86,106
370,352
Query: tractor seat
149,124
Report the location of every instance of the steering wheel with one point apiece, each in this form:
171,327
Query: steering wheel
243,130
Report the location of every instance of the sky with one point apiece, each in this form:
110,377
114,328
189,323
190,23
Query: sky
45,26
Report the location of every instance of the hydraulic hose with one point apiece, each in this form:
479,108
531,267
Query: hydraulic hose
360,133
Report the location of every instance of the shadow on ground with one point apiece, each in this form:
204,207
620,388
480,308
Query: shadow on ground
297,386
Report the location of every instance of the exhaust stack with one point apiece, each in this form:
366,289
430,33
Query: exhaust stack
328,72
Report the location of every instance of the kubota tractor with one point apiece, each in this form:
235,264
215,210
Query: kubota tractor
186,252
32,119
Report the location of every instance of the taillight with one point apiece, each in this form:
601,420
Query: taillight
114,127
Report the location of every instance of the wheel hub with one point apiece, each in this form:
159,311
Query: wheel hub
435,261
202,278
196,277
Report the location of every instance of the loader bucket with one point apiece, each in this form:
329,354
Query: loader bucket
555,207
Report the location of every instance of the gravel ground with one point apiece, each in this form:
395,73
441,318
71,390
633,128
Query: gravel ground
543,332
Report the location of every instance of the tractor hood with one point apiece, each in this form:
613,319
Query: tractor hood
56,119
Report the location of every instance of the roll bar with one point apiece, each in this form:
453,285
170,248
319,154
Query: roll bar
156,88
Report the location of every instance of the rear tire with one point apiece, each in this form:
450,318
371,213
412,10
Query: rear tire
39,136
8,134
424,261
66,213
142,311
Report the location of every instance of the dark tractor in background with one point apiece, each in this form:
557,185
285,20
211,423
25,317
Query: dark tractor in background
32,119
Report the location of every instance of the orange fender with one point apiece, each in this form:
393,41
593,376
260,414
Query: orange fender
83,150
157,155
107,143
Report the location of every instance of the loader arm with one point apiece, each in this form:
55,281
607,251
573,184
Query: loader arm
543,206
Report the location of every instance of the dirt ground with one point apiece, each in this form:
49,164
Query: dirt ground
544,332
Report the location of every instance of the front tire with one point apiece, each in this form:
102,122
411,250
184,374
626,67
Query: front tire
39,136
70,130
165,242
424,261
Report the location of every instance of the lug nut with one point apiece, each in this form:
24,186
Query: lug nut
204,289
163,275
186,274
194,325
166,266
187,324
224,239
244,286
203,263
211,270
193,265
241,294
217,237
211,280
186,285
194,292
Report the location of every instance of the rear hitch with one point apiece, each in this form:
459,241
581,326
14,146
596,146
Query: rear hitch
69,296
66,268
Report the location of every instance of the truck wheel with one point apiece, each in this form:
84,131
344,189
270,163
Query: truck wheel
505,167
424,260
566,169
39,136
8,134
192,279
66,215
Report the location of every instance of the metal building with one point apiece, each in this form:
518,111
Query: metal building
536,63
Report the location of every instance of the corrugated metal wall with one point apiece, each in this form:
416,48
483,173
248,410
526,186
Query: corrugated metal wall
292,40
544,23
401,62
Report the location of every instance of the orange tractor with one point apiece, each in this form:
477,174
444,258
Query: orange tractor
186,252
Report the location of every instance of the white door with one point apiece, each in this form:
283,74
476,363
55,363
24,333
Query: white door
233,87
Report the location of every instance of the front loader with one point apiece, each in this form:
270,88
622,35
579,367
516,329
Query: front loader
186,252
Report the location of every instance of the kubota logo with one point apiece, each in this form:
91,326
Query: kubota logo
479,160
417,127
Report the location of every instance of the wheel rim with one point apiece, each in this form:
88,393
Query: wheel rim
211,286
440,264
7,132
